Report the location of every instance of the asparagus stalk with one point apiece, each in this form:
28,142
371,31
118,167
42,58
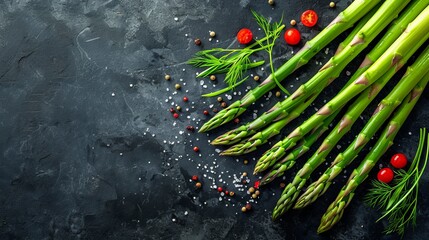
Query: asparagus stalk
385,14
342,22
408,42
336,209
381,114
289,161
330,71
259,138
242,132
293,189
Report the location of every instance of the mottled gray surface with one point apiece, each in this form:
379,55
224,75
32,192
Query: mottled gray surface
86,155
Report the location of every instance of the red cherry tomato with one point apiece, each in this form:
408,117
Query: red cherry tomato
244,36
399,160
385,175
309,18
292,36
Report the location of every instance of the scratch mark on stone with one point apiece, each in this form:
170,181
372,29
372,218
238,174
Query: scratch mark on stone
81,50
126,103
92,39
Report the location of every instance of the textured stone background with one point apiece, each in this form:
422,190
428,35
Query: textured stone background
79,163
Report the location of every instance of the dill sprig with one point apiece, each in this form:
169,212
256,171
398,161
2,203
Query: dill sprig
399,200
235,62
270,29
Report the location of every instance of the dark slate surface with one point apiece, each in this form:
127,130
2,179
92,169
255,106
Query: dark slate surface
80,163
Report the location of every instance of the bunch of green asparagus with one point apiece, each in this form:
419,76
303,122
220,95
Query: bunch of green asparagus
405,25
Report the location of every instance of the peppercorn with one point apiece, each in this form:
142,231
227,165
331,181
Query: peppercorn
278,94
223,104
243,209
256,78
176,115
178,108
244,174
215,110
246,162
198,185
332,4
231,194
196,149
205,112
227,192
256,184
254,196
293,22
257,192
194,178
271,2
212,77
236,120
282,185
212,33
219,99
248,206
251,190
172,110
167,77
190,128
197,41
219,189
185,99
177,86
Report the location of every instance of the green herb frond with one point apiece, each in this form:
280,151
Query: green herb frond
235,62
399,200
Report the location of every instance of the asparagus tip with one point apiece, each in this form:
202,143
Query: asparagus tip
325,110
362,80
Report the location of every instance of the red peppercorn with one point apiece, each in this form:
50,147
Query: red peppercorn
227,192
248,206
256,185
194,178
197,41
176,115
196,149
236,120
219,189
185,99
172,110
190,128
206,112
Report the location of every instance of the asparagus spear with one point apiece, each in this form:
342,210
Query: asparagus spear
279,168
381,114
408,42
259,138
293,189
242,132
336,209
385,14
342,22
